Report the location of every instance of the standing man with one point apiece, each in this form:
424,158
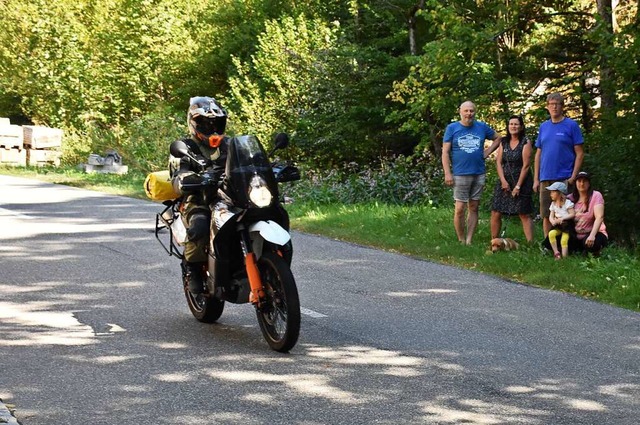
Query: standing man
559,154
463,146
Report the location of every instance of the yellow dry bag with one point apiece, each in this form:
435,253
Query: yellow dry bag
158,186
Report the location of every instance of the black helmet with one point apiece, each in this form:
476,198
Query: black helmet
206,118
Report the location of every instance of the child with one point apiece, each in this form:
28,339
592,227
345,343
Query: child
561,217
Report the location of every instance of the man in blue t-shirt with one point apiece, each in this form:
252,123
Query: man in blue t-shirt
463,147
559,154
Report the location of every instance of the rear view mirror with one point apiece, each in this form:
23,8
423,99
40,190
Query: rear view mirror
281,141
179,149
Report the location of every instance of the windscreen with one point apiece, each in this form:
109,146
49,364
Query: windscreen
246,152
245,159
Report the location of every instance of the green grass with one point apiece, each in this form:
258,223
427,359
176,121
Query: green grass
426,232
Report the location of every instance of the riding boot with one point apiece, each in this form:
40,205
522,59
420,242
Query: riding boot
195,277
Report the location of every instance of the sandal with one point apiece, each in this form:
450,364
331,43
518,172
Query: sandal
557,256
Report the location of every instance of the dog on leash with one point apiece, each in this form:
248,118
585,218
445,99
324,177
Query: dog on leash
503,244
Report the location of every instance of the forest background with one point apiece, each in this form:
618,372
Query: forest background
364,88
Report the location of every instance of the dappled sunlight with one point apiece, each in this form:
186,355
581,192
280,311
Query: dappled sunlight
35,324
109,285
581,404
325,367
449,410
136,388
172,377
394,363
363,355
29,314
556,390
7,290
402,372
104,360
71,228
315,215
304,384
256,359
622,391
77,297
216,418
38,338
170,345
44,256
259,398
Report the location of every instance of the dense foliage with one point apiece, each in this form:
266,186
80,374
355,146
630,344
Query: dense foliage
355,82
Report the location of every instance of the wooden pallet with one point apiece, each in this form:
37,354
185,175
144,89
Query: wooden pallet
38,137
42,157
11,136
13,157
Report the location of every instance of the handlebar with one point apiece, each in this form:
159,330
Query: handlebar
207,180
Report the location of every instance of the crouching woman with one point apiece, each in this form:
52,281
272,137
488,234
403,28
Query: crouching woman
590,230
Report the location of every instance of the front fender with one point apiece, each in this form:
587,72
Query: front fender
271,232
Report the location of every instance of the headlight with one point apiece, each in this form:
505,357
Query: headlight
259,193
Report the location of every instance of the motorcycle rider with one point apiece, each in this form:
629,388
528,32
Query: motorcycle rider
207,121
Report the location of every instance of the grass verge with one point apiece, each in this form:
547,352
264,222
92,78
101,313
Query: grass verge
427,233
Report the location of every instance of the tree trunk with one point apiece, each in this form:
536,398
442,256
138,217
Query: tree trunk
411,23
607,88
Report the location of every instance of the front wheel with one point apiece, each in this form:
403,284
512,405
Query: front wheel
279,313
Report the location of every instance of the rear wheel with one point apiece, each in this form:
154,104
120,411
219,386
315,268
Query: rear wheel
279,313
204,307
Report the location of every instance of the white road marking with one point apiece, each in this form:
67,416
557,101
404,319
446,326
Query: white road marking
312,313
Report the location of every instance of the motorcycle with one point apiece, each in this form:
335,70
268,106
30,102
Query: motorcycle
250,251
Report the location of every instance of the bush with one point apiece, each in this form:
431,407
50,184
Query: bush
612,162
398,180
143,144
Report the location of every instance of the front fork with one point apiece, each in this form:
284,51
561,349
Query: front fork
251,264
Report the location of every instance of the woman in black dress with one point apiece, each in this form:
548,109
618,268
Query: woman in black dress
513,193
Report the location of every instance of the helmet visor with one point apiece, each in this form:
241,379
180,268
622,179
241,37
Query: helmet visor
208,126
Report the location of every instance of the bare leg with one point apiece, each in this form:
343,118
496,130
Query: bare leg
496,224
527,226
459,218
546,226
472,220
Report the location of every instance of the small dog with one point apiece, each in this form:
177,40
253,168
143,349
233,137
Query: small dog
503,244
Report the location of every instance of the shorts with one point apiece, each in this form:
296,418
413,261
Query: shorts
467,188
545,196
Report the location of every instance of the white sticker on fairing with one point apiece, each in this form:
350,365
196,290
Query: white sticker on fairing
271,231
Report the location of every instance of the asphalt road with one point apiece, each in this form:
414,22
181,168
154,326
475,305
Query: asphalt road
94,330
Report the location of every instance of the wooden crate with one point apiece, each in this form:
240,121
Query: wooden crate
38,137
11,136
13,157
40,157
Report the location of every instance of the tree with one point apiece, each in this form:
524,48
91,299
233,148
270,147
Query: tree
272,90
